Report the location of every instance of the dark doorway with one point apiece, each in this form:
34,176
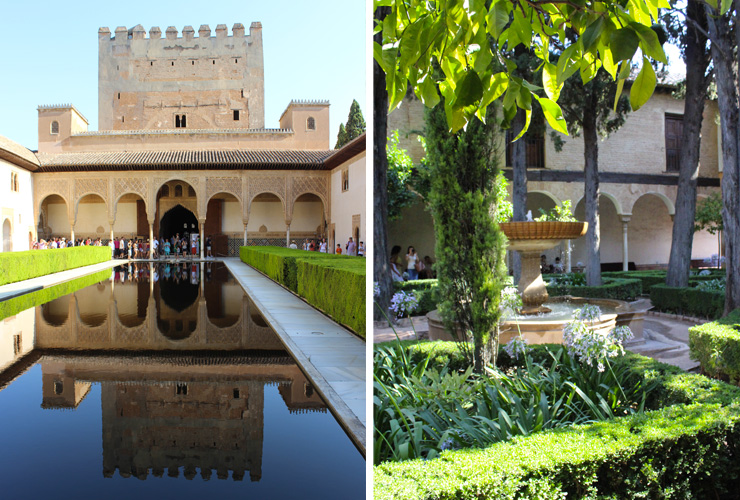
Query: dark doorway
178,220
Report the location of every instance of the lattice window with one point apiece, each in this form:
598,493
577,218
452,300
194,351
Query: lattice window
311,123
345,180
673,133
55,127
165,191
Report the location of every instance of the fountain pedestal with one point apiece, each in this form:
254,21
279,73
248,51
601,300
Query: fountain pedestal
530,239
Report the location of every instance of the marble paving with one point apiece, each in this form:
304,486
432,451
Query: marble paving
332,357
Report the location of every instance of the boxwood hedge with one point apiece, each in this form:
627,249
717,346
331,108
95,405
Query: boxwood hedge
20,266
689,301
716,346
335,284
685,446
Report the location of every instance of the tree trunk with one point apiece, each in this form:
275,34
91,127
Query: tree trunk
381,266
518,185
679,262
591,192
725,67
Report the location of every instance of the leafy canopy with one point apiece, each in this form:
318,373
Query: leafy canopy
709,214
464,50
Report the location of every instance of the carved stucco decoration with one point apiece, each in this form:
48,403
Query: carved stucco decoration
314,184
266,184
231,185
136,185
45,187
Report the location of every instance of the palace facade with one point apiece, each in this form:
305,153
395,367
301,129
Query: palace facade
182,148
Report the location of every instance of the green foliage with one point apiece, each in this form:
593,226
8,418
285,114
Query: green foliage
400,169
505,208
463,40
420,411
21,303
20,266
355,126
684,445
716,346
470,246
559,213
613,288
335,284
709,214
341,137
426,292
688,301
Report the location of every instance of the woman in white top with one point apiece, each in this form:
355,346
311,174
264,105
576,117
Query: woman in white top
411,258
322,247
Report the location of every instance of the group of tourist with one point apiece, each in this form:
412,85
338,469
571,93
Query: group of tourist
43,244
320,245
177,273
414,268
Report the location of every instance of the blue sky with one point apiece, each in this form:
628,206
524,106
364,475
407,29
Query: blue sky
49,52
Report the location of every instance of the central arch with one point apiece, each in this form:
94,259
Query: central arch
177,220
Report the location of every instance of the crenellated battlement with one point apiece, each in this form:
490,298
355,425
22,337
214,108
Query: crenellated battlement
123,34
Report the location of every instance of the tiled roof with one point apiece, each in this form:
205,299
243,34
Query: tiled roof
17,154
184,160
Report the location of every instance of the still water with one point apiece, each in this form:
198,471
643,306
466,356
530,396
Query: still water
162,382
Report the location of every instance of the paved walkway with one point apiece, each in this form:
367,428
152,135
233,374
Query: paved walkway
22,287
331,356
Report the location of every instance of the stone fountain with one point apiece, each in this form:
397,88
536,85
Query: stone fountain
537,322
530,239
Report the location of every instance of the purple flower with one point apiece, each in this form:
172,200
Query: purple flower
403,303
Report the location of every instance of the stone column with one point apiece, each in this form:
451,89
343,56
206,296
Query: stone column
151,279
72,231
287,234
625,241
245,233
201,243
111,222
151,240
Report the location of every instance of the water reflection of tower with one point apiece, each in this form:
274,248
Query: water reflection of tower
192,425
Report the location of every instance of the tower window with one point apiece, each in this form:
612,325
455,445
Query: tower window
242,92
192,63
236,61
55,127
123,119
181,389
151,63
180,121
173,63
311,123
236,115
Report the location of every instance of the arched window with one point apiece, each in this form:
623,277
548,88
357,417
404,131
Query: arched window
191,192
55,127
310,123
15,184
165,191
178,191
180,121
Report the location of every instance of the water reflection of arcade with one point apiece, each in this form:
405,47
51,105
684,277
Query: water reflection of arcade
179,411
178,307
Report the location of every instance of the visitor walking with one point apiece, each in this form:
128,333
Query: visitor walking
351,247
209,246
338,251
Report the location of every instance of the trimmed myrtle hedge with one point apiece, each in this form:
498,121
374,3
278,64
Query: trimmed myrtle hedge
684,446
613,288
657,277
688,301
26,301
20,266
716,346
335,284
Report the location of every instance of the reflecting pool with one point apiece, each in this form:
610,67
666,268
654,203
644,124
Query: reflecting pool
163,381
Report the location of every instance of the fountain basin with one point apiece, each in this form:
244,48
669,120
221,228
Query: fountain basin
548,328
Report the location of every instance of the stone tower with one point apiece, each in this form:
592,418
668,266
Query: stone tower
187,82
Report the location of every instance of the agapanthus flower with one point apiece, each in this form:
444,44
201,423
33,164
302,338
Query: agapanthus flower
590,346
516,346
403,303
376,289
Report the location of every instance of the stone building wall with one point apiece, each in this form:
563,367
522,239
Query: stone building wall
145,83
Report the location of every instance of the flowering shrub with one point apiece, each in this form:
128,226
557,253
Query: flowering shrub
404,303
587,345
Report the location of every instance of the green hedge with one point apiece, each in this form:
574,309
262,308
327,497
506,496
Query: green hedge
20,266
21,303
688,301
613,288
685,446
335,284
716,346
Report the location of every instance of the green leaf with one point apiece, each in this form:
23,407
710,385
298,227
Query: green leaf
568,62
523,28
651,47
483,60
643,86
550,81
725,6
592,33
498,17
624,43
427,92
618,93
528,118
553,114
499,84
607,62
524,99
469,91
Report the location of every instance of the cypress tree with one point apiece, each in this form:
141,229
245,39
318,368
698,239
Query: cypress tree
355,126
341,137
